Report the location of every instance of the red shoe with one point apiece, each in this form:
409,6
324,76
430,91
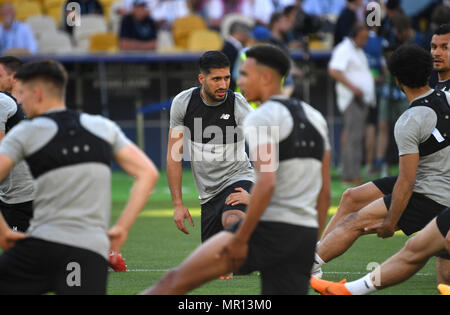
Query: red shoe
325,287
117,262
226,277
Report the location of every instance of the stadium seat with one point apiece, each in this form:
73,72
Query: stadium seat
58,43
107,41
182,27
26,9
202,40
89,25
165,41
231,18
41,24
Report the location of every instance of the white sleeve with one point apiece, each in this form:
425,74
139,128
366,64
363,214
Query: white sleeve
339,58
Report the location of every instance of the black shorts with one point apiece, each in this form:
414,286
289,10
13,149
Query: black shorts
283,253
443,223
419,211
211,211
17,215
35,266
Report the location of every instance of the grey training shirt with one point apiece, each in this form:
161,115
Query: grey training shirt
214,166
17,187
412,128
72,203
299,180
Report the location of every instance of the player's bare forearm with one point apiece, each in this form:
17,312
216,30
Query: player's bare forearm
174,166
324,198
136,164
403,188
175,179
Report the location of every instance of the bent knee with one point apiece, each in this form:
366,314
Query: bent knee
232,217
349,201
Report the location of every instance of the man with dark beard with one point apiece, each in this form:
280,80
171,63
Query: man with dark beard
440,45
209,119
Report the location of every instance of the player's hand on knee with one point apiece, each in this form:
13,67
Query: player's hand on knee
237,198
181,214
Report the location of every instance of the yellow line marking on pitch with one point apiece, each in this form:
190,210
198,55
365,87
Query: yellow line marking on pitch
195,212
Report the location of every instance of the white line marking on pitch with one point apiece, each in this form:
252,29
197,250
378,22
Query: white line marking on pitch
325,272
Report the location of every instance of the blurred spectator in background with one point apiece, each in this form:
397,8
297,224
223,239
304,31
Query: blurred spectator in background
293,41
166,12
405,33
347,19
137,30
127,6
86,7
304,23
15,37
355,91
240,35
279,27
392,9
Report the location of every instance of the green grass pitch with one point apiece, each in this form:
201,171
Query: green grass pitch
155,245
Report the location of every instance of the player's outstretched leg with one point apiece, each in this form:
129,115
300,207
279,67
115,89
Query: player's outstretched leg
398,268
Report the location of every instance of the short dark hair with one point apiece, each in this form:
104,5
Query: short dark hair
411,65
47,70
271,56
213,59
356,28
443,29
10,63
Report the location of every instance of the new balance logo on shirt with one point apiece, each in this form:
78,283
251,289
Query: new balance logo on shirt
225,116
